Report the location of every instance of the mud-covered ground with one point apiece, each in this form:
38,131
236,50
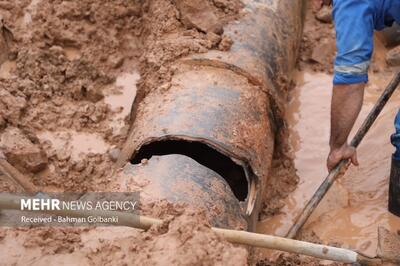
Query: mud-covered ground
64,63
354,208
70,71
67,82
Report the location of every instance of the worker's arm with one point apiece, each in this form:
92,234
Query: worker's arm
345,107
354,41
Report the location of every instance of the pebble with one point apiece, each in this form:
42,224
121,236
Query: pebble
114,154
21,152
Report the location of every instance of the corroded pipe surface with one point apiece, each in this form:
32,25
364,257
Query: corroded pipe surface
230,102
216,107
186,181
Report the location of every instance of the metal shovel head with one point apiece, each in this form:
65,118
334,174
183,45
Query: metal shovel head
388,246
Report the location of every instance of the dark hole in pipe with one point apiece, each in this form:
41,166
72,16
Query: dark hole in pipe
223,165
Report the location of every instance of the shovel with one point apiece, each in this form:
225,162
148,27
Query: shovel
389,245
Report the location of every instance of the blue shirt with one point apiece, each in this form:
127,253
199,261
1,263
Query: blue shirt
355,22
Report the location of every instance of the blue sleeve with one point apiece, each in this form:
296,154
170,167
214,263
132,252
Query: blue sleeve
354,24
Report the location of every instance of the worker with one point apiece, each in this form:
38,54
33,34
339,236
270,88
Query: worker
355,22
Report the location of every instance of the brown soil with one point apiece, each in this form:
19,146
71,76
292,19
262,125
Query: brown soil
65,55
61,65
184,239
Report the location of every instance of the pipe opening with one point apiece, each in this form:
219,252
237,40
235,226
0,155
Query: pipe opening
233,173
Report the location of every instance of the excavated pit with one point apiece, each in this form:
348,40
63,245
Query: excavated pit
60,47
57,79
233,173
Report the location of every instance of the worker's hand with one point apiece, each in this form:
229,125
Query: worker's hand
344,152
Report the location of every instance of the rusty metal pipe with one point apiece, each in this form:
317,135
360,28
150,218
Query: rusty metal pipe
178,178
230,101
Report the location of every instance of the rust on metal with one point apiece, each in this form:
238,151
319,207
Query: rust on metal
186,181
229,101
214,106
266,43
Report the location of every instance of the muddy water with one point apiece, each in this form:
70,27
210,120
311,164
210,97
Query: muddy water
75,143
357,204
309,103
121,96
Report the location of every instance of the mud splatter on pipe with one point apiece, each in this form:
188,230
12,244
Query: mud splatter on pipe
222,110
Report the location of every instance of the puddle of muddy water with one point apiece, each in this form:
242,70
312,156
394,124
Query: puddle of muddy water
357,203
76,143
308,120
121,96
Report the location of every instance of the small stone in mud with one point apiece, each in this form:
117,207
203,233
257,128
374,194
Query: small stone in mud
63,155
324,14
21,152
214,38
198,14
11,107
114,154
393,57
225,44
80,166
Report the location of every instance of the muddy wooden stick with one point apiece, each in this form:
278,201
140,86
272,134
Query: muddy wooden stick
15,175
341,167
8,201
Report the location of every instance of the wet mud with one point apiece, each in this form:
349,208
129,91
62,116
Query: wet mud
354,208
69,74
